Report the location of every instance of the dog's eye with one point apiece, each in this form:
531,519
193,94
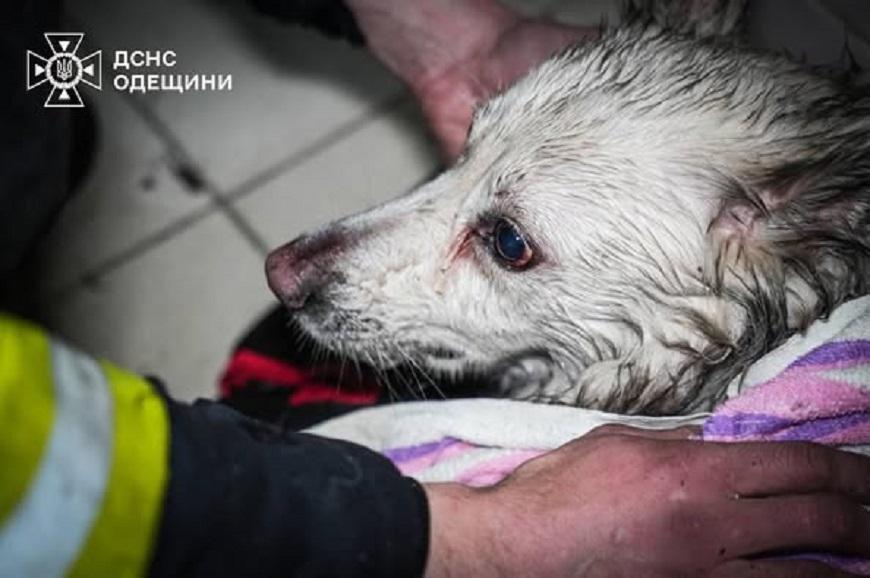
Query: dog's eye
509,245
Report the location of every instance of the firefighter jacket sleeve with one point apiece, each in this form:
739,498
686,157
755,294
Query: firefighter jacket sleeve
104,475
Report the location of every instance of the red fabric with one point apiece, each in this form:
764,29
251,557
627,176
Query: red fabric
305,387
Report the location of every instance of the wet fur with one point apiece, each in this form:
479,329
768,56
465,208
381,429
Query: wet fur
696,204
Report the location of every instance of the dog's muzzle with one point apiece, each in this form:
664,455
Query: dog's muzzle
302,268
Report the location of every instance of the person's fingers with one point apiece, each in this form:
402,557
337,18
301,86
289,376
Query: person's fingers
680,433
765,469
777,569
826,522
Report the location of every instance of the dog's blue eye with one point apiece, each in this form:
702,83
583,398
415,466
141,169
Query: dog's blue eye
509,245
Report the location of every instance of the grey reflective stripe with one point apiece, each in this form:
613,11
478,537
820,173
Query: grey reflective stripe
44,534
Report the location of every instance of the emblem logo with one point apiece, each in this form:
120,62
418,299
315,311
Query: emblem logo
64,70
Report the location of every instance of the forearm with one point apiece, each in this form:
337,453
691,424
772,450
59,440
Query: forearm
451,552
473,533
422,39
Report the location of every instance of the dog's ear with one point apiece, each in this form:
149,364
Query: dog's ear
739,235
701,18
799,239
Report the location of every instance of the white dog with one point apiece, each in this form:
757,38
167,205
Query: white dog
630,226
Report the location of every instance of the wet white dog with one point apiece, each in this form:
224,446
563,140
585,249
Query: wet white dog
630,226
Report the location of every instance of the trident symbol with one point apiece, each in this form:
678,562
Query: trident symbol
64,69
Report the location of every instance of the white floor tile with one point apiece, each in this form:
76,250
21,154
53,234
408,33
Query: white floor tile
175,311
129,194
382,160
290,86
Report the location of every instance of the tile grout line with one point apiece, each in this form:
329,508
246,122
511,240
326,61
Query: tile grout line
226,202
242,226
186,169
347,129
219,201
182,159
222,204
136,250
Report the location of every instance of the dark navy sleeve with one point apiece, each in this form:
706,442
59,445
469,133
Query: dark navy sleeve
247,499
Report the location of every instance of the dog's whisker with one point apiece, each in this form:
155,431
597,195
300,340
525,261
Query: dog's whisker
423,373
632,225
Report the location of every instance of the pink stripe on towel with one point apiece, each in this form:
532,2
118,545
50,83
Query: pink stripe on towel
495,470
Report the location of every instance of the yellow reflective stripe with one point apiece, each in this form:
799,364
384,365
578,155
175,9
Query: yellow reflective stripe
122,537
26,407
45,532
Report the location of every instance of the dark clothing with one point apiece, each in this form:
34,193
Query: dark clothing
34,146
249,499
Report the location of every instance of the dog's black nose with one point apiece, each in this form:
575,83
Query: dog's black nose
301,267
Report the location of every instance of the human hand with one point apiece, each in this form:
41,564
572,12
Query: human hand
449,94
455,54
623,502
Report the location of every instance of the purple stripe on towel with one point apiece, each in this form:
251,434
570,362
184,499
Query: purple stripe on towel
852,350
819,428
407,453
744,424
